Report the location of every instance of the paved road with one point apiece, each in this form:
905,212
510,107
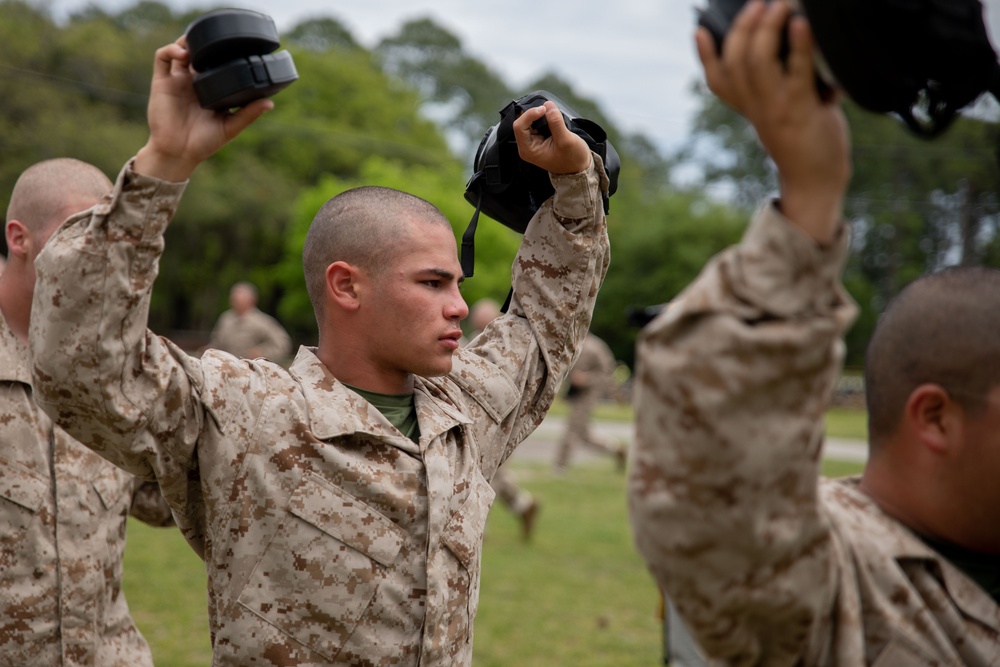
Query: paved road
541,445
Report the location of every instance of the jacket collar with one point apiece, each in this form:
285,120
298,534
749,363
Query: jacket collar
14,357
336,411
904,545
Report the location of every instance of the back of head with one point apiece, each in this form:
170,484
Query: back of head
50,191
941,329
363,227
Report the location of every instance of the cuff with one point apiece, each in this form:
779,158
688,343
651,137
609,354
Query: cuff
784,271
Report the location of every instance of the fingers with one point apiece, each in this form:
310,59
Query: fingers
165,58
557,124
766,41
522,124
800,57
709,56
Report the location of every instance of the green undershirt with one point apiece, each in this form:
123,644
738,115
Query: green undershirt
397,408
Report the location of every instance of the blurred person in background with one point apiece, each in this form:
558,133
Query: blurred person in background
246,332
590,381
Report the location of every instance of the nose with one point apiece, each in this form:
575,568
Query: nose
457,309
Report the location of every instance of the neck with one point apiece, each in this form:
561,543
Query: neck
926,505
348,366
16,309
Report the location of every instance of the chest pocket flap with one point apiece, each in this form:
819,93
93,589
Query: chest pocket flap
463,534
21,486
344,517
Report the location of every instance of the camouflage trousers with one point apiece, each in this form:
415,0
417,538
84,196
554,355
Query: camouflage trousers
578,431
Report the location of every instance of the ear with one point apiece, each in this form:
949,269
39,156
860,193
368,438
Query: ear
18,239
342,281
934,418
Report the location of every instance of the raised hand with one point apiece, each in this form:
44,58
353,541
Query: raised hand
561,153
181,133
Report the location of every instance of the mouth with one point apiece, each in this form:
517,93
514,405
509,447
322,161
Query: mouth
451,339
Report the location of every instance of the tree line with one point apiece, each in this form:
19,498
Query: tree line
409,114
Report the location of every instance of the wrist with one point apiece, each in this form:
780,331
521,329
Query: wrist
817,214
155,164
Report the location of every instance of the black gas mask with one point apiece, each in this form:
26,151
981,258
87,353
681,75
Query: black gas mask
232,54
923,60
510,190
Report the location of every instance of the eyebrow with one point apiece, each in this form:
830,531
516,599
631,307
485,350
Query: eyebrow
445,273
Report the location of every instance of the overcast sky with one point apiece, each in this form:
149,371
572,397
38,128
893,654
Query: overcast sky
635,57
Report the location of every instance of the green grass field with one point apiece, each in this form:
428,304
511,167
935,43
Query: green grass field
840,422
578,594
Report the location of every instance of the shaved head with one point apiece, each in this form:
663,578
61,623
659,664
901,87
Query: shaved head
362,227
46,193
942,329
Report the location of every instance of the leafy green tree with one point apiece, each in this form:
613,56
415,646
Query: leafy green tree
914,206
656,251
321,34
462,91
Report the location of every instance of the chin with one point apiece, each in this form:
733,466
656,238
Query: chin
437,370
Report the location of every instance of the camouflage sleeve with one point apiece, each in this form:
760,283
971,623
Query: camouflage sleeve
149,505
558,270
732,384
117,388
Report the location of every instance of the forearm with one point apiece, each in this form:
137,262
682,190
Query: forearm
558,271
732,385
89,339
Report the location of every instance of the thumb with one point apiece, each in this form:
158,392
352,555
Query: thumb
554,117
245,116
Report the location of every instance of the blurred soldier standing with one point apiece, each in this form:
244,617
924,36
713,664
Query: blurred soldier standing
63,509
246,332
590,381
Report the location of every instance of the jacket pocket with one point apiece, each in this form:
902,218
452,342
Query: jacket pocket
23,494
321,569
22,487
111,484
463,535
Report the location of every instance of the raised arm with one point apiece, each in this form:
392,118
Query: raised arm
97,370
558,270
734,377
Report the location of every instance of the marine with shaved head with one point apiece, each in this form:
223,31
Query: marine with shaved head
340,503
63,509
767,562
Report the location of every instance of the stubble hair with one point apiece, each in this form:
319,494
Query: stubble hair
363,227
941,329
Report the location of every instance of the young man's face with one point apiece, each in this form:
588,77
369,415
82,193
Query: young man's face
415,307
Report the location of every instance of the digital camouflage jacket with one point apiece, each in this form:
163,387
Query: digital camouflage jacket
63,511
767,564
329,538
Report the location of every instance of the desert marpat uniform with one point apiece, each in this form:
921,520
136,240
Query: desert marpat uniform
252,334
597,362
63,511
768,565
329,537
